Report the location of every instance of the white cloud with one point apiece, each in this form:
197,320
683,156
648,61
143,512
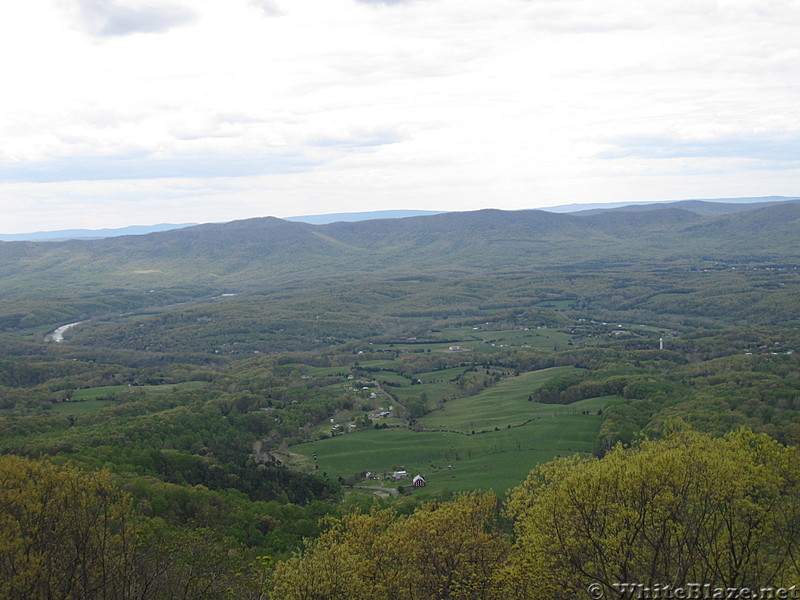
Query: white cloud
268,7
777,146
340,106
385,2
121,17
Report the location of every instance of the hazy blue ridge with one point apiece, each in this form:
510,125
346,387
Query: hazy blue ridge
352,217
688,204
74,234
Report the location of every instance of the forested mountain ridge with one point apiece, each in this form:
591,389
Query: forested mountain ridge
264,251
48,282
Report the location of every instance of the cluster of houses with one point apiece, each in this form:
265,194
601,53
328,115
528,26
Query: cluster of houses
417,482
340,429
380,415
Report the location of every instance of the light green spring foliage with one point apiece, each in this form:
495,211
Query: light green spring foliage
63,533
442,551
70,535
687,509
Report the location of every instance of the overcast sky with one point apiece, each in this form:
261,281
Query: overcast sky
123,112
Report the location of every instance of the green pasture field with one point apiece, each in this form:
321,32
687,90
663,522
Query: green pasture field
341,371
434,391
499,406
443,375
437,385
482,339
91,399
494,460
390,376
535,338
167,388
412,348
383,364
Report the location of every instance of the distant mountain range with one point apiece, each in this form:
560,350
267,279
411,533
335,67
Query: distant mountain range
571,208
254,253
362,216
88,234
50,282
716,206
85,234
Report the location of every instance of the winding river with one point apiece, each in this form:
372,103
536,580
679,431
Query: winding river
57,336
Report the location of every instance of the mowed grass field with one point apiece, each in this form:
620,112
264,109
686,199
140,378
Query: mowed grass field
494,460
485,340
499,406
549,339
91,399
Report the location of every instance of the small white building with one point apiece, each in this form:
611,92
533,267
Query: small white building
399,475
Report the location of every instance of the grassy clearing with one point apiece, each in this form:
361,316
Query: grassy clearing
444,375
499,406
485,341
341,371
434,392
482,339
494,460
390,377
86,395
388,365
91,399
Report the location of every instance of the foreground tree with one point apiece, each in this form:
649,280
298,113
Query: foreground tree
442,551
63,533
68,534
687,509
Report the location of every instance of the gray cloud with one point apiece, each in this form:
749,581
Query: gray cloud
268,7
359,141
385,2
111,18
768,146
144,166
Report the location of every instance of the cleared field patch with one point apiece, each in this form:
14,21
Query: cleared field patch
443,375
379,365
390,377
434,391
340,371
91,399
108,391
499,406
436,385
486,340
494,460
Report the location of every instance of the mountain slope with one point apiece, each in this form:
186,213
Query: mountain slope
269,254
